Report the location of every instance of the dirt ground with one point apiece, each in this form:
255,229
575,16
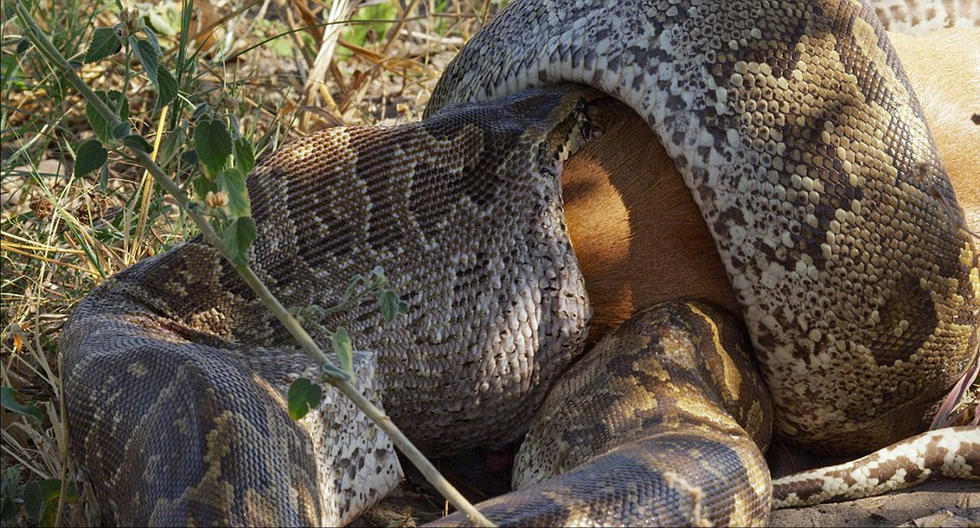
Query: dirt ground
948,503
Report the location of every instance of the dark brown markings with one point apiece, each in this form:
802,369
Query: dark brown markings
912,304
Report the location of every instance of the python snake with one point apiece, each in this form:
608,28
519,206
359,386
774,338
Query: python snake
794,127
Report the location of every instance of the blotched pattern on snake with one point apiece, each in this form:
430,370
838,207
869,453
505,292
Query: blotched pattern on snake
794,127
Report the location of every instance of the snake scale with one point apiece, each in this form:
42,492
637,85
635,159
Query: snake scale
794,127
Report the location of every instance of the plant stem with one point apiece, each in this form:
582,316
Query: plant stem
332,374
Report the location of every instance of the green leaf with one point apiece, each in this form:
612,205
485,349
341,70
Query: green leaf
173,142
10,489
104,178
390,305
232,181
51,490
303,396
152,38
46,517
71,491
8,400
238,236
212,143
137,142
202,186
148,57
344,349
113,99
90,156
189,157
118,102
236,132
105,43
11,73
99,125
358,33
167,86
32,499
8,509
244,157
41,500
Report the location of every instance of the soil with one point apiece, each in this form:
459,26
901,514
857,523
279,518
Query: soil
946,503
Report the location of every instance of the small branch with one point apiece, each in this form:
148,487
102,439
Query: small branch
332,374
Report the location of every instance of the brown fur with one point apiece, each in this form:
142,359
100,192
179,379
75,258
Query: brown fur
944,68
638,234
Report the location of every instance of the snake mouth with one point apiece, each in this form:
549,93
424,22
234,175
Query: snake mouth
637,233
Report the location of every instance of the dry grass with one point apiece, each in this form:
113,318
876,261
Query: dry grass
61,235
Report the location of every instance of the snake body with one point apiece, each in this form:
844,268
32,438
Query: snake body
794,127
678,442
495,315
783,144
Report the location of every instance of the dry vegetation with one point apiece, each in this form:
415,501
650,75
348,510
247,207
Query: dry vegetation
277,66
